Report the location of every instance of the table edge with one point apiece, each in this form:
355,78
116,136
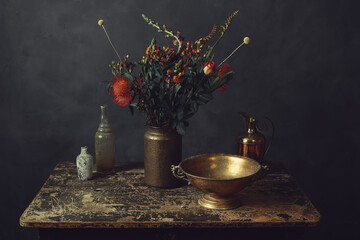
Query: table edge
182,224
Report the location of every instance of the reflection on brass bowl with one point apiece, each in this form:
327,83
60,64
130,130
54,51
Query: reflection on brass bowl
219,176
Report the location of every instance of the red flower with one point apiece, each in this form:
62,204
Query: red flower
120,90
223,87
224,69
209,68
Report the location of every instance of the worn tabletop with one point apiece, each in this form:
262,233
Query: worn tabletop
122,200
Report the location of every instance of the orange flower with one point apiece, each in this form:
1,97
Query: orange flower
120,90
180,74
168,71
176,79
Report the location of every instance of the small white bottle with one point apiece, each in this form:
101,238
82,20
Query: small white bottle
84,164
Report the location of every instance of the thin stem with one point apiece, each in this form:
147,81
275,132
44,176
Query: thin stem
212,48
231,54
171,34
112,45
217,41
156,25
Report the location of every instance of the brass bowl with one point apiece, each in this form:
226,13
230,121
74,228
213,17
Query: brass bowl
219,176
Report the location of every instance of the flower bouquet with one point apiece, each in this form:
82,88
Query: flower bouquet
170,82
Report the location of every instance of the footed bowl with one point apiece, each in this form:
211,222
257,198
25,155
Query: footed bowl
219,176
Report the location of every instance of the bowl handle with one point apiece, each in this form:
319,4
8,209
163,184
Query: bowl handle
264,170
178,173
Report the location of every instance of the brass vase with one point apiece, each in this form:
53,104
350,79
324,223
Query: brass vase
162,148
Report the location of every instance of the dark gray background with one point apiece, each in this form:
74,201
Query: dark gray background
300,70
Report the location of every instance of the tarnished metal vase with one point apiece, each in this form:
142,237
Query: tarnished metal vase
162,148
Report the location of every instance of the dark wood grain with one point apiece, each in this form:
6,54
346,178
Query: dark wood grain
123,200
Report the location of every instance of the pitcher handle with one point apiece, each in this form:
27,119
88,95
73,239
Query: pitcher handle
272,135
178,173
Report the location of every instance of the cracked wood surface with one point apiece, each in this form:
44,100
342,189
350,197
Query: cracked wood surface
122,200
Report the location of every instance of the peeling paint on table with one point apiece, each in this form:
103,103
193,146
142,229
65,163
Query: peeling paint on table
122,200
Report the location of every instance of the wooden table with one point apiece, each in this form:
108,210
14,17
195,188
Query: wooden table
121,206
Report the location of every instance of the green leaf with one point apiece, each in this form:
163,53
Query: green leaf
179,64
218,82
228,75
153,41
177,87
133,104
203,98
180,128
158,74
180,113
190,93
194,107
129,77
206,96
